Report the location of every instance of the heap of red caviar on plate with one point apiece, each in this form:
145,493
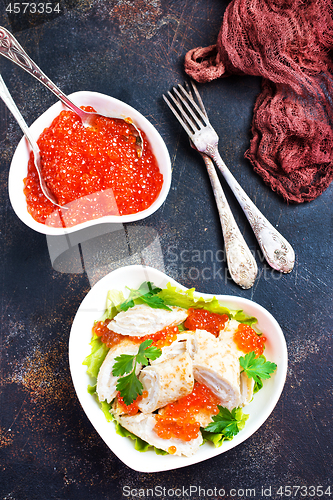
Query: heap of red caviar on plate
173,375
93,171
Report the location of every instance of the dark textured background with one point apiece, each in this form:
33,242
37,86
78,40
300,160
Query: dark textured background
134,51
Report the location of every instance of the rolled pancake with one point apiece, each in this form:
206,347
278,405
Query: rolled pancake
143,320
166,382
226,338
216,368
142,425
226,335
106,382
246,386
178,346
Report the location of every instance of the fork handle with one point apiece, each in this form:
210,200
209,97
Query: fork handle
241,263
276,249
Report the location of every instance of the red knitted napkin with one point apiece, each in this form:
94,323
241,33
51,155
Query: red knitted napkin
289,43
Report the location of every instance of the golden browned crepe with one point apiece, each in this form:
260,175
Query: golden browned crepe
216,368
166,382
226,339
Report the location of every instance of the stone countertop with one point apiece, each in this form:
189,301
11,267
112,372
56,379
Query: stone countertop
134,51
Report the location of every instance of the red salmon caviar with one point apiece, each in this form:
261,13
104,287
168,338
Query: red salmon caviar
133,408
205,320
108,337
178,418
162,338
247,340
100,163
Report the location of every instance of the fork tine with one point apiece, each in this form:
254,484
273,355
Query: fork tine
183,107
198,96
186,111
177,115
188,99
188,90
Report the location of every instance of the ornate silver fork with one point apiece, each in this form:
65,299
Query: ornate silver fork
276,249
241,263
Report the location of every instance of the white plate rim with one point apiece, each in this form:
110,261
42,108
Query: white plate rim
92,307
18,166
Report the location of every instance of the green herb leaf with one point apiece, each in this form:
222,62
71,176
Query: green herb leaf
146,293
129,385
123,364
146,352
257,367
227,423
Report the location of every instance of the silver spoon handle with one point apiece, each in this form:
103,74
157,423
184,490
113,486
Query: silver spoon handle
8,100
12,50
10,103
241,263
276,249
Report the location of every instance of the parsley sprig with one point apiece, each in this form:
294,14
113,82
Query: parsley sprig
147,293
227,422
257,368
129,385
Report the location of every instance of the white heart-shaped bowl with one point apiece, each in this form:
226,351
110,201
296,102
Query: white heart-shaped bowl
102,104
93,306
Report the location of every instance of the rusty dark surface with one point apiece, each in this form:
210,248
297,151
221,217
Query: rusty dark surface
134,50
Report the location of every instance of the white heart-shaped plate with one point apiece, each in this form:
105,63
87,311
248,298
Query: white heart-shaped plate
102,104
92,308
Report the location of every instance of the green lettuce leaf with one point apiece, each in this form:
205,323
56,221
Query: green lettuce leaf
241,317
105,407
114,299
95,359
139,444
216,439
174,296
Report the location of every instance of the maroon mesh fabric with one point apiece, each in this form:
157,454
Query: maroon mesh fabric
289,43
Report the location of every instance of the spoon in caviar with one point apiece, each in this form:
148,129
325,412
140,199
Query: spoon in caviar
12,50
8,100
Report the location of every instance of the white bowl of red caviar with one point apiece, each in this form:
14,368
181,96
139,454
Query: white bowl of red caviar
259,409
151,172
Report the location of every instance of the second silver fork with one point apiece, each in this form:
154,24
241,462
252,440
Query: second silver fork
276,249
241,263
